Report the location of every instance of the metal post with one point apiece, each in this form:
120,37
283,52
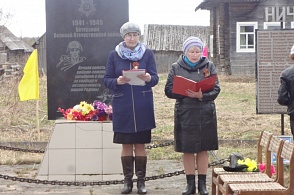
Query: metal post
282,124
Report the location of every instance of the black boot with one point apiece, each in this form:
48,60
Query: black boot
140,169
128,170
191,186
202,185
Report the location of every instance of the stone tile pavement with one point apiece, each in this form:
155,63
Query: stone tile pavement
170,185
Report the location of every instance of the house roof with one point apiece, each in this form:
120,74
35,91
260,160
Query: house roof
208,4
12,42
171,37
37,42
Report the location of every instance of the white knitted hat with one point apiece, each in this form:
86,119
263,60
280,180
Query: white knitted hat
129,27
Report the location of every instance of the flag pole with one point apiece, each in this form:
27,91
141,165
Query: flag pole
28,87
38,120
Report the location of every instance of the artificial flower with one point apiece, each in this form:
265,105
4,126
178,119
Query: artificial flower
273,170
84,111
104,111
251,164
86,108
262,167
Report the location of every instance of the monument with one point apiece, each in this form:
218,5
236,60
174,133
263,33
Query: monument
79,36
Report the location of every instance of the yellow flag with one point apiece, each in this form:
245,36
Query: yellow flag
28,87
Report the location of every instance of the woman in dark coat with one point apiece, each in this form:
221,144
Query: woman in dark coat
286,90
133,109
195,123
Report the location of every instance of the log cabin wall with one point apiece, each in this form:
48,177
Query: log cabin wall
225,15
166,41
40,44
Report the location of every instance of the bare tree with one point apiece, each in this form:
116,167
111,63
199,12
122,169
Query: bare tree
5,18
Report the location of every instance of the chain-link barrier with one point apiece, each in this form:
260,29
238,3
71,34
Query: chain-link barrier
21,150
160,145
110,182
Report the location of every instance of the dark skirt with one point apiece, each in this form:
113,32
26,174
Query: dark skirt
142,137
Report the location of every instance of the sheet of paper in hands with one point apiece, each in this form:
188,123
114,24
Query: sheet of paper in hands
132,74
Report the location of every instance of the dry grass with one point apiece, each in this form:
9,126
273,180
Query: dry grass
236,111
18,119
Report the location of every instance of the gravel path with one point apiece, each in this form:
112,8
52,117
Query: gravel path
169,185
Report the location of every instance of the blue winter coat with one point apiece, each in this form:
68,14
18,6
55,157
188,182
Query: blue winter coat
133,107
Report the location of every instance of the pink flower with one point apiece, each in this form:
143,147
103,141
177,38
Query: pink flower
262,168
273,170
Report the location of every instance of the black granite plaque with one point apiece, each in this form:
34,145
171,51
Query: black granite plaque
273,49
79,36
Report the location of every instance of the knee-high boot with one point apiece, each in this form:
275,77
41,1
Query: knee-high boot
128,170
140,169
202,185
191,186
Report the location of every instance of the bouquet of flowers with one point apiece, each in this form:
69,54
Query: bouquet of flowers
97,111
251,165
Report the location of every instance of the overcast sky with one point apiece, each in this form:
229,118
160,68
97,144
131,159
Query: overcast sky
29,15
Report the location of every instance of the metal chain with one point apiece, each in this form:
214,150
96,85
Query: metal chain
21,150
160,145
42,151
111,182
218,162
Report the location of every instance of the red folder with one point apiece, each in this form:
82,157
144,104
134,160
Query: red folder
181,84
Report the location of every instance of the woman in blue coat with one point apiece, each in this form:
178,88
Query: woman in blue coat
133,108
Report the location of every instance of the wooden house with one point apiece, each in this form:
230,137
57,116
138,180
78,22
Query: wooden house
166,41
40,45
12,49
14,53
233,25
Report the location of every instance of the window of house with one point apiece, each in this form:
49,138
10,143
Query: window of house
273,25
246,36
292,24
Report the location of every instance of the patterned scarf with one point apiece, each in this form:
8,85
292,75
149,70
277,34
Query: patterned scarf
133,55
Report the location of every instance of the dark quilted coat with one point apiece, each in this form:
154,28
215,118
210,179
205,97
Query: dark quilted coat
195,122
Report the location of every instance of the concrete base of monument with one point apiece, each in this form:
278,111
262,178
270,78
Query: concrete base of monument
81,151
